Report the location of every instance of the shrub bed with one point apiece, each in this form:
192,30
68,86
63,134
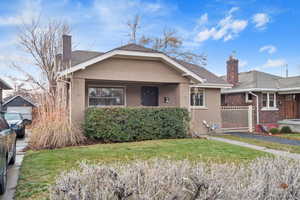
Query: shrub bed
135,124
285,129
264,178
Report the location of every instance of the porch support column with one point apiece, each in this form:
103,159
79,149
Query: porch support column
77,100
183,93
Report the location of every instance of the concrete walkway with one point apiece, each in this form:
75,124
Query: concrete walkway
275,139
264,149
13,171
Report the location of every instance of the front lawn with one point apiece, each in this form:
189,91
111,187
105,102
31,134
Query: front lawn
270,145
40,168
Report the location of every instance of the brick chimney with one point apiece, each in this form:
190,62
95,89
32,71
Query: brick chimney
233,70
67,51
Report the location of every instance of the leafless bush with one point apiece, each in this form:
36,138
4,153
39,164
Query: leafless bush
52,128
265,178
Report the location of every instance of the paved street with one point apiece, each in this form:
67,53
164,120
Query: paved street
13,171
267,138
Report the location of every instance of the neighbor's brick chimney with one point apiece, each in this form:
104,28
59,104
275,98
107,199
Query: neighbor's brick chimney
67,51
232,70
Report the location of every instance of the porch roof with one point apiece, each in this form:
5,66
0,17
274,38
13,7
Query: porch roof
82,59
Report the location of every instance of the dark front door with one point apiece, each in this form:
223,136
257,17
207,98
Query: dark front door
149,96
289,107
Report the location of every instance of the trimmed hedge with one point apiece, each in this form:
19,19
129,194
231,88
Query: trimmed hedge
285,129
135,124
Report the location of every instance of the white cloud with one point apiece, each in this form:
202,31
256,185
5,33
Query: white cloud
268,48
243,63
30,10
203,19
233,9
260,20
115,14
227,28
274,63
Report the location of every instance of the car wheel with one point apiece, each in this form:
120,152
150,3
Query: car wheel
3,179
13,158
21,133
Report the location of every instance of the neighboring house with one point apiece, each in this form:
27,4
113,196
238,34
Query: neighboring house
3,86
134,76
278,97
19,104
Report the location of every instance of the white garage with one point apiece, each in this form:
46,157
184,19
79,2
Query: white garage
19,104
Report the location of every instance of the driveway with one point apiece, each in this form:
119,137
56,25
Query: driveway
13,171
267,138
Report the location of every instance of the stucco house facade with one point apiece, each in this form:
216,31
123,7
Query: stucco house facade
276,97
135,76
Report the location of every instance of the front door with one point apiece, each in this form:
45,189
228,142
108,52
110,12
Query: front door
289,107
149,96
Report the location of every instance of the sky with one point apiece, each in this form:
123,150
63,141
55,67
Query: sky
263,34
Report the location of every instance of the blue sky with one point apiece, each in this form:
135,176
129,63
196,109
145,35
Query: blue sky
265,34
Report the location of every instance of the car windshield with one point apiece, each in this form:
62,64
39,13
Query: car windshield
12,116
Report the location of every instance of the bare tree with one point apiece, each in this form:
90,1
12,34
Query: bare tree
133,25
42,43
169,43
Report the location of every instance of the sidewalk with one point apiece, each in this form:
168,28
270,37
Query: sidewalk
264,149
14,170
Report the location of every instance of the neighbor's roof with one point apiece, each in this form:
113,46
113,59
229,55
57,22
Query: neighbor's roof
260,81
4,85
11,98
80,56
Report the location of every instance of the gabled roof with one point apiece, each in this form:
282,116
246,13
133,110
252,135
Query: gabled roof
4,85
82,59
11,98
260,81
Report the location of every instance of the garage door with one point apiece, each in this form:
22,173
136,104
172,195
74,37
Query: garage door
25,111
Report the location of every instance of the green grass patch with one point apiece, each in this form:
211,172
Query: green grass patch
40,168
270,145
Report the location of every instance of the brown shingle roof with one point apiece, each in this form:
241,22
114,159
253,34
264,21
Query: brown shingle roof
81,56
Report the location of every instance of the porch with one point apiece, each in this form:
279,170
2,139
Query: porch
86,93
101,93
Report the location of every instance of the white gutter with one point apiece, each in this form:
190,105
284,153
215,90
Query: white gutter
259,90
257,108
212,85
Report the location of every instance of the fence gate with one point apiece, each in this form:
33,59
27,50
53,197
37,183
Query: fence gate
237,118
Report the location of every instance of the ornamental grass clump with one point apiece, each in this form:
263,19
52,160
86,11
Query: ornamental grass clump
52,129
264,178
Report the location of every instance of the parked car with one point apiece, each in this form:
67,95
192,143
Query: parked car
7,150
17,122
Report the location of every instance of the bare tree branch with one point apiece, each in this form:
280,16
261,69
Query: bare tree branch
169,43
42,43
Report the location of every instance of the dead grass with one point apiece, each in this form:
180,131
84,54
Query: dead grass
52,128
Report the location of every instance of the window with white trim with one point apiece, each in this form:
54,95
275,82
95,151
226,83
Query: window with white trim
106,96
197,96
248,97
269,100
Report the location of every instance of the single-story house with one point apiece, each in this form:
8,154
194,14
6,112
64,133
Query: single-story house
3,86
133,76
276,97
19,104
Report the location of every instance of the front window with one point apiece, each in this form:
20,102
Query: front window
269,100
197,96
106,96
248,97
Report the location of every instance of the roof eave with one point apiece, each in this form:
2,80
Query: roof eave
131,53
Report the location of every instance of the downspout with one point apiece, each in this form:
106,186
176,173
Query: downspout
257,108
